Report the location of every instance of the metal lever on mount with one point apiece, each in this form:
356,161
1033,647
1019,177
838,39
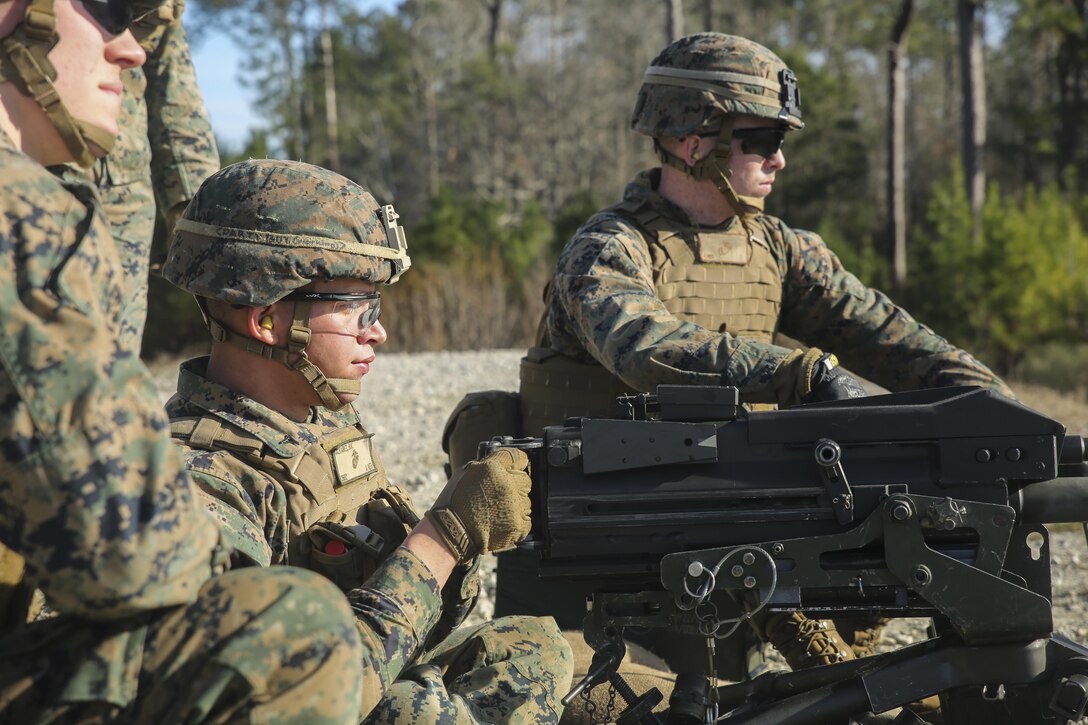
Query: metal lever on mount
829,458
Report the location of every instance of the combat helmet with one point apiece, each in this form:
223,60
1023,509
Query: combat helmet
258,230
24,61
699,84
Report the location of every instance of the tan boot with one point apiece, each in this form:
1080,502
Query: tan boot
861,633
805,642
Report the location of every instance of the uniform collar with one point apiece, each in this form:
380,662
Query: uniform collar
643,189
285,437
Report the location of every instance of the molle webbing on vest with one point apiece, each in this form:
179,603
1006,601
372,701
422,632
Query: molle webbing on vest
719,280
554,387
313,470
723,281
741,300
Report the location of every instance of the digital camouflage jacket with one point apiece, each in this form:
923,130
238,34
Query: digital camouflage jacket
92,492
604,307
165,150
275,517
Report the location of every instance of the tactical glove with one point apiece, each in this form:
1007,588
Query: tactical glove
813,376
485,506
831,382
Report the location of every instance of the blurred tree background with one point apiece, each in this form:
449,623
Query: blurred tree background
498,126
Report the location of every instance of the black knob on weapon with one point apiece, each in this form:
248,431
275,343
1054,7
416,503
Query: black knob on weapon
687,705
1070,698
603,667
640,710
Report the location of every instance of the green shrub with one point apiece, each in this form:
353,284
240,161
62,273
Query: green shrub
1058,365
1021,285
458,229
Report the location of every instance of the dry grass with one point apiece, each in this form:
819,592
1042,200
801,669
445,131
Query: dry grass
1068,407
466,306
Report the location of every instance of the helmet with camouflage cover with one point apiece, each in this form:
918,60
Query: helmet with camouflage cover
24,61
258,230
701,83
698,79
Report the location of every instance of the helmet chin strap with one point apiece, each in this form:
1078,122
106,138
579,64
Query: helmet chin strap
24,60
716,168
326,388
293,356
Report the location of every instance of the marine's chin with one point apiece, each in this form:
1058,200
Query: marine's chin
347,399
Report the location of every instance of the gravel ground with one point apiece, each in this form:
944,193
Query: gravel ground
407,398
417,391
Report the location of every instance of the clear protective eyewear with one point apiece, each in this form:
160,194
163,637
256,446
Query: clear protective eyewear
359,311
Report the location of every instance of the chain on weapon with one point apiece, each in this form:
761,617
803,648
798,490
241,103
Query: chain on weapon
590,707
698,599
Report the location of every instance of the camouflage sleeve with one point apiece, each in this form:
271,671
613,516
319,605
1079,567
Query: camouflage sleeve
459,597
243,525
183,149
604,306
92,492
462,589
826,306
395,610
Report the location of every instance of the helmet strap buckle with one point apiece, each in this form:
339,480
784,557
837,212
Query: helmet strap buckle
40,23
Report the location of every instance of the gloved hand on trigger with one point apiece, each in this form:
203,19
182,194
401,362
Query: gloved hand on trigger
812,376
485,506
831,382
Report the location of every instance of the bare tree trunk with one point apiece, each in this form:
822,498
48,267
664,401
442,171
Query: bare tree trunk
897,204
674,20
494,27
1069,67
332,125
423,74
972,71
430,114
294,143
551,164
708,15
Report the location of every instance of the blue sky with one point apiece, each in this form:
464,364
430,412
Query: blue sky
218,60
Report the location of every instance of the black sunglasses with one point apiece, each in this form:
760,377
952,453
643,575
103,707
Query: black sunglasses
763,141
115,16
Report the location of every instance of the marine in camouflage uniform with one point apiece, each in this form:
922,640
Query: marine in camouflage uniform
654,296
166,148
295,479
94,504
686,281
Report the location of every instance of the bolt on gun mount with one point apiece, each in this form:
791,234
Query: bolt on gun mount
928,503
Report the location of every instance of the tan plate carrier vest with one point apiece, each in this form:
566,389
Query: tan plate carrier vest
327,483
723,281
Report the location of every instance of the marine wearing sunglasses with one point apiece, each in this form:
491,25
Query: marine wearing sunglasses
115,16
763,141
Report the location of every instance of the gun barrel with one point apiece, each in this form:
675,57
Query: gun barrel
1074,450
1059,501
